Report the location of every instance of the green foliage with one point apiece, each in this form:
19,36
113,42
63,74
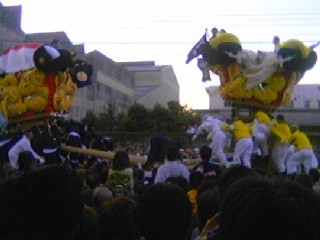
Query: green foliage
140,122
137,119
90,118
108,118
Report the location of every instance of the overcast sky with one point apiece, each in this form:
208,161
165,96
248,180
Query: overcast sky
164,31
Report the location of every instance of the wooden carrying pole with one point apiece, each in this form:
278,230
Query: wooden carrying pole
109,155
101,154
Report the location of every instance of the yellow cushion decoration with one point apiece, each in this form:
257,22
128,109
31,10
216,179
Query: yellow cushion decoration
235,89
223,38
65,93
9,80
12,104
296,44
264,96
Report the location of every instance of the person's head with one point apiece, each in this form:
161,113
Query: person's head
120,160
46,204
315,175
29,133
258,208
164,213
205,153
304,179
233,174
208,206
214,31
100,196
208,185
276,40
294,127
179,181
172,153
116,220
89,226
195,178
138,174
280,118
26,161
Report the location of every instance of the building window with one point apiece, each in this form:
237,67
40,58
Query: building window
90,93
313,104
307,102
227,104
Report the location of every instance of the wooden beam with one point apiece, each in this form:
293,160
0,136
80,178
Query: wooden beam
101,154
109,155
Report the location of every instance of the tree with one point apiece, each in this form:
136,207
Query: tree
108,118
137,119
159,116
90,118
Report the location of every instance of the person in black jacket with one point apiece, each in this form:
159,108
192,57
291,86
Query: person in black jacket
209,169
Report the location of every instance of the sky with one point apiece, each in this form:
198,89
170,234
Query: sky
164,31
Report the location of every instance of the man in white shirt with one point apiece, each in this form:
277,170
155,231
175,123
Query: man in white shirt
173,166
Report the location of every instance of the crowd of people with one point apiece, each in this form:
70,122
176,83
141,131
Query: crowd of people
46,193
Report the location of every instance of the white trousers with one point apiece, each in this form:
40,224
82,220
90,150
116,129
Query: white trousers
303,157
279,154
243,151
261,141
217,145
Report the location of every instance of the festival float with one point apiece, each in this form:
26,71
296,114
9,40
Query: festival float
252,80
38,81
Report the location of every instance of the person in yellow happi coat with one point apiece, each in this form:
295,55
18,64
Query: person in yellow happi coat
244,145
281,130
304,154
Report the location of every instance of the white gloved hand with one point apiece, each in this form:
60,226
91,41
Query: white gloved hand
210,135
194,137
41,161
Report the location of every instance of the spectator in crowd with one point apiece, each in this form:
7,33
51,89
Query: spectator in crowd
164,212
209,169
227,178
304,179
173,167
45,204
120,177
89,225
233,174
315,175
258,208
179,181
208,206
195,180
116,220
157,146
140,181
97,173
101,196
207,184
